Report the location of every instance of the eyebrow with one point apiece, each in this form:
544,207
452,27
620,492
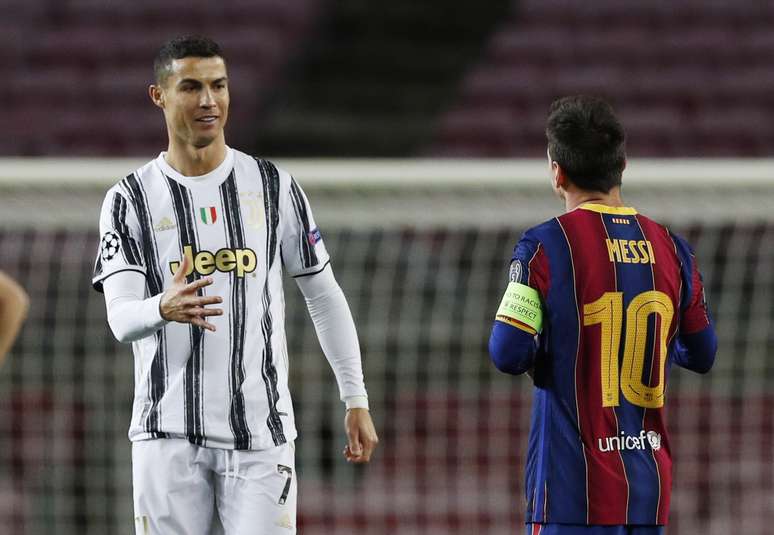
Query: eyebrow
199,82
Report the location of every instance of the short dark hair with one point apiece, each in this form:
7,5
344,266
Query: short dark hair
587,141
186,46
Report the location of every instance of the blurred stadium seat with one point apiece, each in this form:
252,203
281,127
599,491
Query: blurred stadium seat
74,65
704,66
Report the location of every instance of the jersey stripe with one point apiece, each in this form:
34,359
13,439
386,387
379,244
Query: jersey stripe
654,363
229,198
271,186
128,246
578,327
666,278
633,279
194,425
154,281
306,250
605,224
607,486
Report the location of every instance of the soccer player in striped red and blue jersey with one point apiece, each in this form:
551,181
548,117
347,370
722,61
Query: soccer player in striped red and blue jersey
601,302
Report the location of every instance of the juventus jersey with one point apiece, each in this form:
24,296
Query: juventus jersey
240,225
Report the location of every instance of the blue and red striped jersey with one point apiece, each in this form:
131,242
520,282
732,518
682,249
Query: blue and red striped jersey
617,290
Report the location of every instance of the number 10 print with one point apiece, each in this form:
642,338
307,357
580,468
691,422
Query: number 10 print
608,312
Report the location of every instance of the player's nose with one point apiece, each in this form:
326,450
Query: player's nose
207,99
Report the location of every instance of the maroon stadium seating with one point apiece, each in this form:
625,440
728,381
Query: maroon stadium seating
79,69
688,78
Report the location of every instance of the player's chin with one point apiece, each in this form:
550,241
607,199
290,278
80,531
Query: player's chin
202,140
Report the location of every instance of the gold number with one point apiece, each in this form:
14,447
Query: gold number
608,312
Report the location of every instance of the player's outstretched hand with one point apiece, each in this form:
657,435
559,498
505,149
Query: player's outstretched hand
361,436
181,303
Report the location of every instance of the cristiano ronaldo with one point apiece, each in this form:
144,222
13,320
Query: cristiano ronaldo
193,247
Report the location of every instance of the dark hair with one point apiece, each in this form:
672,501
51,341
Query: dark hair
587,141
186,46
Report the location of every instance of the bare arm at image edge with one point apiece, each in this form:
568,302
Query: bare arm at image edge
14,304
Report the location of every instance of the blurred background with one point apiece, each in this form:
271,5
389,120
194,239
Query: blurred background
416,128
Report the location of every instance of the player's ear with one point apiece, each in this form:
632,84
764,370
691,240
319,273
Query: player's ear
557,175
561,181
156,95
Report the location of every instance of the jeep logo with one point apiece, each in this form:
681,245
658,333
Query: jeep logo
225,260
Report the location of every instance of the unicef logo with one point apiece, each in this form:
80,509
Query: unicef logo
654,439
111,243
624,442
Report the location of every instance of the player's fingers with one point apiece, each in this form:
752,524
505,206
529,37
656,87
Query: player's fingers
195,285
349,456
196,320
353,441
195,301
206,300
203,312
370,440
182,269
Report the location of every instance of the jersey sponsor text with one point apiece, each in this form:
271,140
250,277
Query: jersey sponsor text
242,261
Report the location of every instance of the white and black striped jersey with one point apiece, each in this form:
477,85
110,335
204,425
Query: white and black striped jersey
239,224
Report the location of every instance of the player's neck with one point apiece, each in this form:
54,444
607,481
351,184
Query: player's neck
575,197
194,161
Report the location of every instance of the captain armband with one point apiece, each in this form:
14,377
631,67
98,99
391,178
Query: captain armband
521,307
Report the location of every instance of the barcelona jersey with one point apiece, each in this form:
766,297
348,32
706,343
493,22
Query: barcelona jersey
617,290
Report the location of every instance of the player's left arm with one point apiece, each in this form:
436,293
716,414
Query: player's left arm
14,304
513,342
697,340
305,258
338,338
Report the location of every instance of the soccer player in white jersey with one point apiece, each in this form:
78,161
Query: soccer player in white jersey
193,246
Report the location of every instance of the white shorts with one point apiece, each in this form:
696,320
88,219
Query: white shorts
181,488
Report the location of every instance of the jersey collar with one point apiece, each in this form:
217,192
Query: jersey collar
214,177
605,209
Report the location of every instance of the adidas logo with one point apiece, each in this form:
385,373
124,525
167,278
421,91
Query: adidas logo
165,224
284,522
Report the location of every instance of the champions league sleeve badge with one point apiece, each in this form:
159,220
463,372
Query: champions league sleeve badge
110,246
314,236
514,273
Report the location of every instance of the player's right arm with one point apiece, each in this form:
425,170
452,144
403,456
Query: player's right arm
120,273
132,317
697,341
14,304
513,343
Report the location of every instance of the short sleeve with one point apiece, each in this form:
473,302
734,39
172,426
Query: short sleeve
522,307
118,248
694,314
529,265
303,250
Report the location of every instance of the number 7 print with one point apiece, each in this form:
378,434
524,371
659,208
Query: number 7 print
282,469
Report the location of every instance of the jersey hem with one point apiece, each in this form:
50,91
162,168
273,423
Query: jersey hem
96,282
320,270
219,443
582,524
